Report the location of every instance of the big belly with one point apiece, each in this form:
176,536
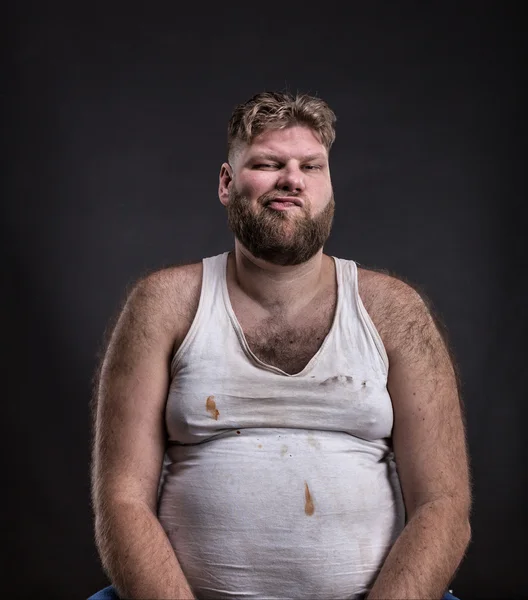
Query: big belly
281,513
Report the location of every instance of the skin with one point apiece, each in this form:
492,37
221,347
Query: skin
428,437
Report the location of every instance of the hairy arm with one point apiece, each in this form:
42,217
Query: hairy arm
129,445
430,452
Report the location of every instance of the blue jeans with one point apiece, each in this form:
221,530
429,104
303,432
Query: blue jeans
108,593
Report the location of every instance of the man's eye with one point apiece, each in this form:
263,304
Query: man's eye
264,166
312,167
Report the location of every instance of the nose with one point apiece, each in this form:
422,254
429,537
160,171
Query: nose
291,180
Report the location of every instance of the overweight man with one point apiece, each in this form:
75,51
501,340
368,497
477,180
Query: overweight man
274,422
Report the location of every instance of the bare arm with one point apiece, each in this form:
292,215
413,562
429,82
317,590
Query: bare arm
430,451
129,447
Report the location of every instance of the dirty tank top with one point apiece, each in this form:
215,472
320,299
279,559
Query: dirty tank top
279,485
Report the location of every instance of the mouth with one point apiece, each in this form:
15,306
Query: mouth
284,202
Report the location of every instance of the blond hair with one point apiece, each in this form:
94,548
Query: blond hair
278,110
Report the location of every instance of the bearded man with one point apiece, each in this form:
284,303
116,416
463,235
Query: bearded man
274,422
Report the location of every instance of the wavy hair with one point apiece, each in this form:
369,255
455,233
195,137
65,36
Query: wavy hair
278,110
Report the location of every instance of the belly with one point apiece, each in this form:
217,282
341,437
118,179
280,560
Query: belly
281,513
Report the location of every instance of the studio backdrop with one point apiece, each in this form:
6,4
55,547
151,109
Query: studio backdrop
115,130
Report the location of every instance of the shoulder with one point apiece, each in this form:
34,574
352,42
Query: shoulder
164,299
382,288
400,310
163,285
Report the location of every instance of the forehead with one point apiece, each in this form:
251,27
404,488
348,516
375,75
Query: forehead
291,141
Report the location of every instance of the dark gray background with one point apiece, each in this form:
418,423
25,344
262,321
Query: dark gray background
114,132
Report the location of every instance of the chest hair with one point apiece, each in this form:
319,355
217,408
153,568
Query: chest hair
290,344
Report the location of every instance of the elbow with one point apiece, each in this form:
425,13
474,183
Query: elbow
466,533
460,531
465,522
453,517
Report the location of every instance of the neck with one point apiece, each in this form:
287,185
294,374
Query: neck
276,287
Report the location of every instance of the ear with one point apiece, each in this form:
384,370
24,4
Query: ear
225,181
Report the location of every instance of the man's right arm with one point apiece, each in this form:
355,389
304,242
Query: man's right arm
129,444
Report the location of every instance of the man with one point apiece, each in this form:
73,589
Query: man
274,422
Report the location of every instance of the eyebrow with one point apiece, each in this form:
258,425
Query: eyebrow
271,156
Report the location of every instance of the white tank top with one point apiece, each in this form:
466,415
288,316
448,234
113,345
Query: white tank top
278,485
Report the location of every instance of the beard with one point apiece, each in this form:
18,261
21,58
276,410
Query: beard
276,236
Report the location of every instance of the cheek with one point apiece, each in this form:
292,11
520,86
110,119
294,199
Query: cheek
255,184
324,191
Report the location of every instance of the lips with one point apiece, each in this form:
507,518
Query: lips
286,200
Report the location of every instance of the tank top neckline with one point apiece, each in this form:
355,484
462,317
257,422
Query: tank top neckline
242,338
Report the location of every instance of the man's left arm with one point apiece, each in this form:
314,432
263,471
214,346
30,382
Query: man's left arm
430,452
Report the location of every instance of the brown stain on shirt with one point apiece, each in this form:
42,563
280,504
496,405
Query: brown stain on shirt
309,507
210,407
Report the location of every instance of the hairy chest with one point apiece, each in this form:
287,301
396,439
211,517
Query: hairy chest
289,344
